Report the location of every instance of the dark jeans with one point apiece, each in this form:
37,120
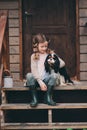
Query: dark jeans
49,81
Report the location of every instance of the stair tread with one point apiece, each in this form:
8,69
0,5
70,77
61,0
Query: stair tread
67,87
44,106
60,125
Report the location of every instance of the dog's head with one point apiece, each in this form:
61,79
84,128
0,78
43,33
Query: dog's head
52,62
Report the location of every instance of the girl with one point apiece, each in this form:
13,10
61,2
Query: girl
38,75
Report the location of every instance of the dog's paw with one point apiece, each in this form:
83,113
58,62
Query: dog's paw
62,84
25,83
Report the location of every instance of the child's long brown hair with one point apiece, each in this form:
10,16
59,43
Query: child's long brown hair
39,38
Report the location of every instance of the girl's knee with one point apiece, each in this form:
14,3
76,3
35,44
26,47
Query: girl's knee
52,80
29,76
30,79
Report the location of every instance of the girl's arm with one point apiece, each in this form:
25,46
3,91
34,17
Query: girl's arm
62,63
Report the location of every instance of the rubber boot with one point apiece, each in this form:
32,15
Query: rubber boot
48,96
34,101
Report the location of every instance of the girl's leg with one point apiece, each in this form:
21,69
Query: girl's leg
31,82
51,82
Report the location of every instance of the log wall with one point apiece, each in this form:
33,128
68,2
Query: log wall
83,38
13,8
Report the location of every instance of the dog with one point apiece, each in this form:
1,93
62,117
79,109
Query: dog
52,64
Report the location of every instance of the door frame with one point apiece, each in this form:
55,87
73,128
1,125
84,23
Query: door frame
77,40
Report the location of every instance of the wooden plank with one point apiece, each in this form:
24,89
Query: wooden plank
61,125
14,58
67,87
49,116
14,50
77,40
13,31
13,22
3,97
9,5
83,48
83,66
44,106
83,30
3,18
14,67
82,12
82,3
83,76
21,39
13,40
82,21
2,116
83,57
83,39
13,14
16,75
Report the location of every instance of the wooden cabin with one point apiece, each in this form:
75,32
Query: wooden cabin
64,22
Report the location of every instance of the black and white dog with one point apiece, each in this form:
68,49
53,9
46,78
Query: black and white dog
52,63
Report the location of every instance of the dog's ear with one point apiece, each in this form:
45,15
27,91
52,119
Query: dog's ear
47,66
56,65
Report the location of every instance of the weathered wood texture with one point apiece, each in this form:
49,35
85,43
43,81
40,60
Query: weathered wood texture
14,33
45,126
83,38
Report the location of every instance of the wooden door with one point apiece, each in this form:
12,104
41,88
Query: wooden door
57,20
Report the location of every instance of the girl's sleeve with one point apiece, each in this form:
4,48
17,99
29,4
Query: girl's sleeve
34,70
62,63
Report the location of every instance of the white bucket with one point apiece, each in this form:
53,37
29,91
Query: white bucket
8,82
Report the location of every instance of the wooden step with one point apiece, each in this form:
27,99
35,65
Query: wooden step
44,106
30,126
67,87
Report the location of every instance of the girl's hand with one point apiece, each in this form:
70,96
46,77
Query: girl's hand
43,87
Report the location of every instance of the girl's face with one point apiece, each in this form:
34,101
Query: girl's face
42,47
